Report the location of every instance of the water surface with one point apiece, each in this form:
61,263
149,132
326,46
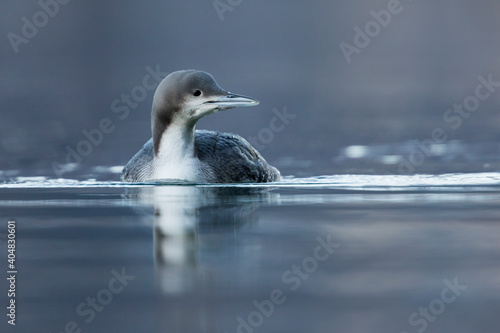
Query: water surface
351,253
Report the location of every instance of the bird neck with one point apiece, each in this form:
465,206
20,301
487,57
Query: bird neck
175,144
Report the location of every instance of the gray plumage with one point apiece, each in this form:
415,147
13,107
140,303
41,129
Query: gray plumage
242,162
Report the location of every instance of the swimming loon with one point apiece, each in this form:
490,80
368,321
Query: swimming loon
178,151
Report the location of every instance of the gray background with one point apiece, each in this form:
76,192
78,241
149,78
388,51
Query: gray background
284,53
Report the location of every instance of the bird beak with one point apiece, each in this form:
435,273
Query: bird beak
230,101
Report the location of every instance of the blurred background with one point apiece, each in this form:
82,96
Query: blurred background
63,66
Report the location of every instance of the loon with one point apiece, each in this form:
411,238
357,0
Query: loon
179,152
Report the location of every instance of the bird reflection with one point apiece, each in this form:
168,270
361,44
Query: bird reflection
191,226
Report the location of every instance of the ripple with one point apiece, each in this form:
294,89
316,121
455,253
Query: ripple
469,182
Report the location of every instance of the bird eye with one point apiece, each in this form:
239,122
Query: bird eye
197,92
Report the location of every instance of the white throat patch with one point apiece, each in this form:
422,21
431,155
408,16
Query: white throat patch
176,157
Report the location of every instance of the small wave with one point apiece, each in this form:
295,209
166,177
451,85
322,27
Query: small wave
352,182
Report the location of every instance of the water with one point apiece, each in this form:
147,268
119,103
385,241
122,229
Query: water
347,253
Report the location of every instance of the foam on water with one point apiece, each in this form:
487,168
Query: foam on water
469,182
